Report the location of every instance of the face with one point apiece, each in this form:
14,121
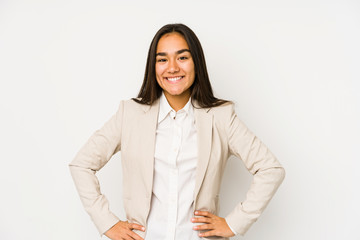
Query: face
175,70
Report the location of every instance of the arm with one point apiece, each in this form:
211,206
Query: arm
97,151
267,171
268,175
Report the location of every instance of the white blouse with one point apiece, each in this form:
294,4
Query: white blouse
174,175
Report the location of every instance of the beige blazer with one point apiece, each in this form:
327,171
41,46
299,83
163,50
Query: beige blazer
132,130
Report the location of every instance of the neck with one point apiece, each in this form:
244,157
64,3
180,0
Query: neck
177,102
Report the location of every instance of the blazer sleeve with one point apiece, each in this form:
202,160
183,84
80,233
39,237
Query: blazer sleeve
97,151
267,173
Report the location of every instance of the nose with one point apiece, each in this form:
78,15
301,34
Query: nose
173,66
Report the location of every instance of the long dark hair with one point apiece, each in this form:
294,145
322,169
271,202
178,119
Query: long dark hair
201,90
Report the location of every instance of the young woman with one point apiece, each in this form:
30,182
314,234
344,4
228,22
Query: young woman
175,139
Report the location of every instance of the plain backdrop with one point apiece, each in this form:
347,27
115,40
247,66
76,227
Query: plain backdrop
291,67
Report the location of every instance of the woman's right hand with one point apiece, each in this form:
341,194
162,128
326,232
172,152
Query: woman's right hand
123,231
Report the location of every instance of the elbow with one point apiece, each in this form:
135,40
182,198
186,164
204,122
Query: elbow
275,174
72,166
278,174
281,174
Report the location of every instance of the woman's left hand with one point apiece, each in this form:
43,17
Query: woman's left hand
215,226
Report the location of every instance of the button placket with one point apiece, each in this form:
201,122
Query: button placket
173,177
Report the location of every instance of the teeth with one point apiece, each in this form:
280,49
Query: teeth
174,79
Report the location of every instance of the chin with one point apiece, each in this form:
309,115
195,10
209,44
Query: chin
176,93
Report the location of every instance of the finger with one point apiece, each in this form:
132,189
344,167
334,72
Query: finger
208,234
135,236
203,213
127,237
201,220
204,227
123,236
137,227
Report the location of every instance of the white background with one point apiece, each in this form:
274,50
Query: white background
291,67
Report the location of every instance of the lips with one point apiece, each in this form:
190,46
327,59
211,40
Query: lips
174,79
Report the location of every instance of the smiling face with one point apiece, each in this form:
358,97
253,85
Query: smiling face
175,70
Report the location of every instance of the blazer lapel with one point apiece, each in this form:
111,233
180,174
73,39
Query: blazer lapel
148,127
203,122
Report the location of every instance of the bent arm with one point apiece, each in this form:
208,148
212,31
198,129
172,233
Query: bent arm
267,173
97,151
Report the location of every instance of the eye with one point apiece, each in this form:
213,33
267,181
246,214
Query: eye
161,60
183,58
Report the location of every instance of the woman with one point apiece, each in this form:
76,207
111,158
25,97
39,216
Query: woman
175,139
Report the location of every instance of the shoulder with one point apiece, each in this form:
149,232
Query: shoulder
130,103
131,107
221,115
223,111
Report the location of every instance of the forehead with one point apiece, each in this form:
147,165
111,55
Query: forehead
171,42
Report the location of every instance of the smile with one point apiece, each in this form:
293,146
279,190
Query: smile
174,79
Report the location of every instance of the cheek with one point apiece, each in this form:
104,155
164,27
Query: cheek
191,71
190,67
159,70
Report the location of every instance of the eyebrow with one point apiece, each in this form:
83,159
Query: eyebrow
177,52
